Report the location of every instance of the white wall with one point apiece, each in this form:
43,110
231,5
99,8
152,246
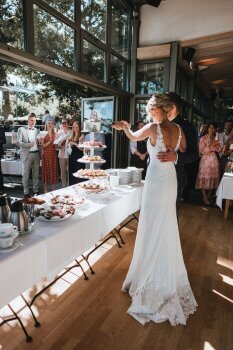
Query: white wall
176,20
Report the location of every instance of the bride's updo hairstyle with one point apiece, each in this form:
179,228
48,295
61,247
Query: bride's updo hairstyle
159,100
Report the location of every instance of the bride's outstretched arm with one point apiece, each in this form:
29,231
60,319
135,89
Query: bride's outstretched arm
138,135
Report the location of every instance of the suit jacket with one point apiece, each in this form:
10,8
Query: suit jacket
23,142
191,154
2,140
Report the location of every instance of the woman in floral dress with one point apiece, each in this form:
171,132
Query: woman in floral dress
49,158
208,175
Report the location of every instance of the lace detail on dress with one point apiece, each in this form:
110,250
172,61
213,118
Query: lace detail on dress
176,308
160,146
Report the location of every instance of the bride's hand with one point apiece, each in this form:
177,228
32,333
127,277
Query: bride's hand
120,125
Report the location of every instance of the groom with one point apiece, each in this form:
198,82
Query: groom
191,154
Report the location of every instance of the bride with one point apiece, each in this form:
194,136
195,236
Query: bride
157,280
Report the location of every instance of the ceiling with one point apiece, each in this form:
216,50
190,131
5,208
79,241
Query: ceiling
214,57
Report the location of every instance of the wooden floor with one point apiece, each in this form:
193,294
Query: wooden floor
92,314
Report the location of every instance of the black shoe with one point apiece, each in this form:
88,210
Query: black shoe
27,195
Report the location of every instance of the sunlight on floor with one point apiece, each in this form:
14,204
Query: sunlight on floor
223,296
204,208
54,292
207,346
225,262
226,279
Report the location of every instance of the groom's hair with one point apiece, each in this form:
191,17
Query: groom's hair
175,98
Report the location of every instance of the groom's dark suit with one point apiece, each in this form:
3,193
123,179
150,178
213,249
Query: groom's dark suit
190,156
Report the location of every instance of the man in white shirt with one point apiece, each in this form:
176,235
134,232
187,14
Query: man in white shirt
29,154
62,136
223,137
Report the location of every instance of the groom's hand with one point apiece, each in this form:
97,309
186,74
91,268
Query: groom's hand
169,156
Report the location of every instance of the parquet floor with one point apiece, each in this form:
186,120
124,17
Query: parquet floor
91,315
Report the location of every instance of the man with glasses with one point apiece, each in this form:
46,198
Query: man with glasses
63,135
29,154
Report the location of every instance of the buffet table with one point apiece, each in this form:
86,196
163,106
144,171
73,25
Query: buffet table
225,191
51,246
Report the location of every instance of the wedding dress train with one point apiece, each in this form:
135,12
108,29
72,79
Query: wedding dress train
157,280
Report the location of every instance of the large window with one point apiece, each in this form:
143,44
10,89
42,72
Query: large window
92,37
94,15
152,78
66,7
93,61
54,40
11,23
183,84
120,29
119,73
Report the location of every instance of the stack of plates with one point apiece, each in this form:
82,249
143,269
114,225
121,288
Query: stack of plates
136,175
124,176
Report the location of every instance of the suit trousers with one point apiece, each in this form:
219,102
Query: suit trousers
32,162
64,162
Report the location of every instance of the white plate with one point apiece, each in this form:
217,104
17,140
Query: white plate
41,218
14,246
80,145
92,161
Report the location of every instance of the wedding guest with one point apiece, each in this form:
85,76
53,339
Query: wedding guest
62,136
75,153
186,162
223,138
49,158
202,132
139,154
29,154
47,117
208,175
2,142
228,146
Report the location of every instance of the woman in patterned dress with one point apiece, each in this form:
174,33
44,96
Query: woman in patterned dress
208,175
49,158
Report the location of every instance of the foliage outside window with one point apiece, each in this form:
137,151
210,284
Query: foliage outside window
150,78
94,14
66,7
54,40
11,23
119,73
120,29
93,61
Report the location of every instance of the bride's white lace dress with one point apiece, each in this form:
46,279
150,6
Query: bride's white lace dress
157,280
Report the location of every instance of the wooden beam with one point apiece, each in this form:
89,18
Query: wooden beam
152,52
207,38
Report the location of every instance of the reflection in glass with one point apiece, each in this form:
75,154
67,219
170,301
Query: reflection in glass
11,23
150,78
54,40
119,73
141,114
120,29
66,7
93,14
93,61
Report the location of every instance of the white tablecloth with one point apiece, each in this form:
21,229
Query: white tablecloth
53,245
225,189
12,167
